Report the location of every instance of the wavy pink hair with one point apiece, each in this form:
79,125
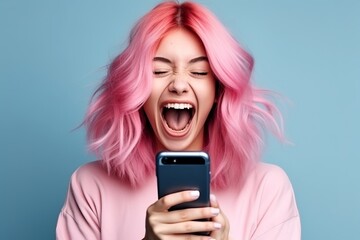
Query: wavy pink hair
117,126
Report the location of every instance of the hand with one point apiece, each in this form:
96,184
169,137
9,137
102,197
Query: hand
223,232
181,224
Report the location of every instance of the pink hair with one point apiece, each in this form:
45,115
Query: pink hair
117,126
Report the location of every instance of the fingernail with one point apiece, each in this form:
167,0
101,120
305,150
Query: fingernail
215,211
217,225
194,193
212,197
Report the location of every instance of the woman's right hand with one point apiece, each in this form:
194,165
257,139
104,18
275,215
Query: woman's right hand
180,224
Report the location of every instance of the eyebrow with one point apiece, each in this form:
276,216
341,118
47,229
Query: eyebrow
161,59
194,60
199,59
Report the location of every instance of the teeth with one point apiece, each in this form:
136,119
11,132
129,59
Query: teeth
178,105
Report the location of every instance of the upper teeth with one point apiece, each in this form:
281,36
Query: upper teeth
178,105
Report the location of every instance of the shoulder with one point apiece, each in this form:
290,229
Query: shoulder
271,190
264,203
270,173
274,191
91,169
275,200
84,180
272,181
93,179
91,184
89,172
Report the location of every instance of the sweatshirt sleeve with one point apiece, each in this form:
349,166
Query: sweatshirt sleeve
78,218
278,216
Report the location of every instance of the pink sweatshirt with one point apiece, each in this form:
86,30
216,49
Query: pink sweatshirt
99,206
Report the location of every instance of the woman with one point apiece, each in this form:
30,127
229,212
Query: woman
182,83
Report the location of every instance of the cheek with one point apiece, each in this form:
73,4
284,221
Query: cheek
206,98
208,93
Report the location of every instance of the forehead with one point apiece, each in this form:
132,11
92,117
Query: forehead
180,43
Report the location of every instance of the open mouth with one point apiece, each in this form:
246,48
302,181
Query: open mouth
178,116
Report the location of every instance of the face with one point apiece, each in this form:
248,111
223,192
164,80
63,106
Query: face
183,92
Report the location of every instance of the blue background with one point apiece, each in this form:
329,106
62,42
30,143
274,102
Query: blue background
54,53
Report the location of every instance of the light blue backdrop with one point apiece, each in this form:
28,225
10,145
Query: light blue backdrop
53,54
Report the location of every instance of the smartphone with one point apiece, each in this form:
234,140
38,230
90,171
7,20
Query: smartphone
179,171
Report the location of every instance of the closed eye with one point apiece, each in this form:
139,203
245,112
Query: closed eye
199,73
160,73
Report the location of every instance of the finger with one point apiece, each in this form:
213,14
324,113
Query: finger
166,202
191,214
213,201
215,204
223,232
190,227
187,237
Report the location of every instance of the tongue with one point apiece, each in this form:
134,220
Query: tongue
177,119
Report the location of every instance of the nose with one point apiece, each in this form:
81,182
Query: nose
179,85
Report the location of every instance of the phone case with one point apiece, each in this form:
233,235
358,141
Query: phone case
179,171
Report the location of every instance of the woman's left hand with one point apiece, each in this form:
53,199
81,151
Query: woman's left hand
223,232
